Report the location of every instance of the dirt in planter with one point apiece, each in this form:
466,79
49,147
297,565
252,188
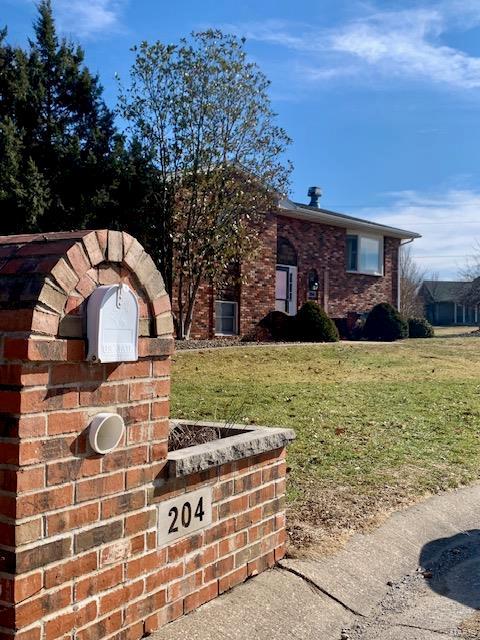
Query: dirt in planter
183,436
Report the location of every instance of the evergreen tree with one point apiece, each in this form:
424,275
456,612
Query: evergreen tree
60,155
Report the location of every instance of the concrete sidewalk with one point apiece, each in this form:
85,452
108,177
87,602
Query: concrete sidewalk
372,589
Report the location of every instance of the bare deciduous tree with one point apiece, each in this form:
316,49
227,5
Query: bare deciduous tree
471,273
202,112
411,278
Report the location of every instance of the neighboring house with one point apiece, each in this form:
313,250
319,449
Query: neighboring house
446,303
345,264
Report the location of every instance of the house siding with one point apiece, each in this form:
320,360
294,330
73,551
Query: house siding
318,246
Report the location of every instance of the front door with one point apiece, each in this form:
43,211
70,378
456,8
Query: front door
286,289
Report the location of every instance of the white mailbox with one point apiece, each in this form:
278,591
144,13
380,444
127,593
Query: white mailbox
112,324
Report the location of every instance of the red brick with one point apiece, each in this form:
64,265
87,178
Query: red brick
115,246
76,372
28,531
219,569
201,597
232,579
30,479
41,501
102,628
32,426
165,575
122,504
160,409
221,530
26,586
73,518
234,543
119,597
161,367
92,249
98,487
205,557
232,507
184,546
66,470
145,564
36,608
262,495
140,521
185,587
142,390
63,624
129,370
95,584
145,606
261,564
45,322
248,518
116,552
164,616
248,482
78,259
104,394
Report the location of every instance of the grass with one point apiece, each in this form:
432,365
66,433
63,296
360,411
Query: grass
378,425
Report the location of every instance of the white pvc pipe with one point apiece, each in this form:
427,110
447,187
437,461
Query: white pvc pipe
105,432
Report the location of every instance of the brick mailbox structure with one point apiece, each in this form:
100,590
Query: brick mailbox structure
112,546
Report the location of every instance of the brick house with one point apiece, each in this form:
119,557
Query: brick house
344,263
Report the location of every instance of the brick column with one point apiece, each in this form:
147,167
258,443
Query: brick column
72,522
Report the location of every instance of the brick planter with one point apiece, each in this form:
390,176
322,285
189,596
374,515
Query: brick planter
81,555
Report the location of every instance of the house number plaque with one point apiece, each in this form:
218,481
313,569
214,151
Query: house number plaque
183,515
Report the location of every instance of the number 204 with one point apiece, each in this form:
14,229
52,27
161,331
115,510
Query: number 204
185,514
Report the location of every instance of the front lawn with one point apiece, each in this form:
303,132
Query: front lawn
377,425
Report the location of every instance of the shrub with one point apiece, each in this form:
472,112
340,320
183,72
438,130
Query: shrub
385,323
313,324
420,328
342,328
279,325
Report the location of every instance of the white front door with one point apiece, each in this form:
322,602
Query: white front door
286,289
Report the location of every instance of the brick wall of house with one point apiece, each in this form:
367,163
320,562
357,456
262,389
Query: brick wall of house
257,293
79,558
323,247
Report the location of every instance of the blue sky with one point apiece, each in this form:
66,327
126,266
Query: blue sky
382,99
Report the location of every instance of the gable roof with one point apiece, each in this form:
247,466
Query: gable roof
299,211
446,290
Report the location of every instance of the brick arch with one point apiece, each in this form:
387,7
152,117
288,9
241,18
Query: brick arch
45,280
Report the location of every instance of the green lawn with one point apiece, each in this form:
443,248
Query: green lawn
377,425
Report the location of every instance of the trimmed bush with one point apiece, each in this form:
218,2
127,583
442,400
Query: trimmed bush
313,324
420,328
279,325
385,323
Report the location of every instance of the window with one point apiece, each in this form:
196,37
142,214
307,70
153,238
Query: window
286,253
365,254
226,318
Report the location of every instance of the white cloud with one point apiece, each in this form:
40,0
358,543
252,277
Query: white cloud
402,44
87,18
448,222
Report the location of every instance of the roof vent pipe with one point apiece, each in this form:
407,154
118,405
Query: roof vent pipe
314,193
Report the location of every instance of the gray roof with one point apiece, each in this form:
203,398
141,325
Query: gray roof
325,216
446,290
